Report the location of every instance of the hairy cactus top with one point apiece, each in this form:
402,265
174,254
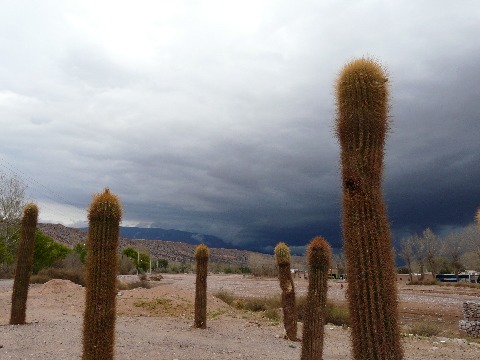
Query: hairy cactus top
282,254
478,217
201,251
30,215
105,206
318,252
362,121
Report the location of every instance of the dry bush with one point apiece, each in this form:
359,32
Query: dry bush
133,285
126,266
156,277
142,282
334,314
425,329
76,275
225,295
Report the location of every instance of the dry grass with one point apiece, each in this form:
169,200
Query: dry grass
424,329
271,307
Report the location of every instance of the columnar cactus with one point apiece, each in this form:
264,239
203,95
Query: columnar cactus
201,256
362,125
23,270
282,256
478,217
318,258
104,218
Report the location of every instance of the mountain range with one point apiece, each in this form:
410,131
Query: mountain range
173,235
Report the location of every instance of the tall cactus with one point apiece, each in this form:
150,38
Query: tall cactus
318,257
282,256
201,257
362,125
478,217
104,218
24,264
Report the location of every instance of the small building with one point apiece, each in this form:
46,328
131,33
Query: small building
332,273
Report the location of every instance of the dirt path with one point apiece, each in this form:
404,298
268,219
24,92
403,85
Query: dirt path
156,323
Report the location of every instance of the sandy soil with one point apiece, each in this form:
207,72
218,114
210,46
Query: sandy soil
156,323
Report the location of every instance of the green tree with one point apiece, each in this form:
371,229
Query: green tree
141,261
46,251
81,250
162,264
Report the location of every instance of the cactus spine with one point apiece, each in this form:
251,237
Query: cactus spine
201,256
282,256
362,125
24,264
104,218
318,258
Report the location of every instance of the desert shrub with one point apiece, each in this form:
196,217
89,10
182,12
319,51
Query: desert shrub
71,261
225,295
126,266
426,329
156,277
272,314
337,315
7,271
334,314
76,275
133,285
142,277
179,267
257,304
250,304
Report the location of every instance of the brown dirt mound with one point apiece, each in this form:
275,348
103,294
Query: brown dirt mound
57,286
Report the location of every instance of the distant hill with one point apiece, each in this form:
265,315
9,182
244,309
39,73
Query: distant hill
173,235
160,249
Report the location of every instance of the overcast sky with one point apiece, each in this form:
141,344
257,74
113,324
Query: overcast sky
217,117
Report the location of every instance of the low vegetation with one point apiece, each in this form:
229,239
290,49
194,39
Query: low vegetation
424,329
336,314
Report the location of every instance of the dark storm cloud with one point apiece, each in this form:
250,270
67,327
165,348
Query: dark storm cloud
434,154
218,118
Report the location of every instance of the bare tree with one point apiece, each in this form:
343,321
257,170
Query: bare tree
12,200
432,249
407,253
420,252
453,247
471,236
262,265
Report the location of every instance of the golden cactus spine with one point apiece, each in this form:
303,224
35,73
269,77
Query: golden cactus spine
282,256
362,125
318,258
104,218
23,270
201,257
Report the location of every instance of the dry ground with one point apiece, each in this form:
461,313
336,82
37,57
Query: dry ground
156,323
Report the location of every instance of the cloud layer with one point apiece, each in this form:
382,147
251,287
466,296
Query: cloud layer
217,117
